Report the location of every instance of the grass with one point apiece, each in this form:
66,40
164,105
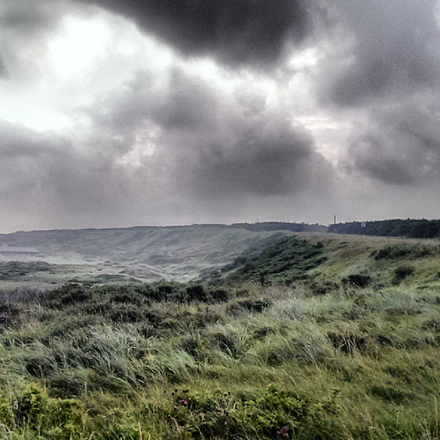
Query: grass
349,349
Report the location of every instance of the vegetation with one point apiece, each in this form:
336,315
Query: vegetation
281,226
284,261
10,270
341,341
391,228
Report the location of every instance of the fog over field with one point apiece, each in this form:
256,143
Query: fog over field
124,112
123,255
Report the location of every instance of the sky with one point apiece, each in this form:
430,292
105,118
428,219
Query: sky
163,112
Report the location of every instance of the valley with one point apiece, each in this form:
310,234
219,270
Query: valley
207,332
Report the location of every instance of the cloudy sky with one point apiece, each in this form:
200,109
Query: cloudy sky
142,112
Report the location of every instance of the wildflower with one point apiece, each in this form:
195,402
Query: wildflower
184,402
284,432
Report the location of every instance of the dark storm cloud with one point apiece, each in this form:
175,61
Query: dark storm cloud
372,156
267,159
236,32
384,70
213,146
401,142
395,49
51,171
179,101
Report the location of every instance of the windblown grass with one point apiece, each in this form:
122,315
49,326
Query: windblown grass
323,358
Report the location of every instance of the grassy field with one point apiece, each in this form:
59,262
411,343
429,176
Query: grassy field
316,337
125,255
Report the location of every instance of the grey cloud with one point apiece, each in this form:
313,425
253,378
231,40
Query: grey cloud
176,101
395,50
251,99
213,146
3,69
372,157
267,160
205,167
47,171
401,142
189,103
235,32
25,28
27,18
27,15
383,74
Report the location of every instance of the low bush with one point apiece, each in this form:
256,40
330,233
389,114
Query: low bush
357,280
401,273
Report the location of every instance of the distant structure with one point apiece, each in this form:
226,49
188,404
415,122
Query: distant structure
6,249
334,219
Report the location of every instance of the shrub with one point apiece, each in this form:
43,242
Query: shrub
195,293
357,280
126,313
249,305
349,342
51,418
401,273
66,385
39,366
219,295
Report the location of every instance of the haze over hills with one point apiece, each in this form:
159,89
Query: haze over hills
353,319
149,253
138,253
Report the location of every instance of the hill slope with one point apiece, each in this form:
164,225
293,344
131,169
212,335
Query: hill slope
139,253
350,349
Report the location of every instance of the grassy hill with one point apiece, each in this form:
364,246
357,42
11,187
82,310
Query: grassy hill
341,341
146,254
129,254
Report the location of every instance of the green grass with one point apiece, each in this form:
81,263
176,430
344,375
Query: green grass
349,349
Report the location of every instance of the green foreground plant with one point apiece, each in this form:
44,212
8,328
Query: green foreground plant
349,350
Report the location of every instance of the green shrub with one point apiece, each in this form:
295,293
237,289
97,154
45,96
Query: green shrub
40,366
52,418
401,273
250,306
66,385
357,280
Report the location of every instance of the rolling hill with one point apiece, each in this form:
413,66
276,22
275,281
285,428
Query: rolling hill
128,254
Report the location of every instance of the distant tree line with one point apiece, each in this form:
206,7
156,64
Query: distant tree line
409,228
281,226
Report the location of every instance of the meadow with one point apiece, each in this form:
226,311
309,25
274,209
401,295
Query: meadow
312,337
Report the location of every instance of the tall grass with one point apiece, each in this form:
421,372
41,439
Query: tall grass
322,358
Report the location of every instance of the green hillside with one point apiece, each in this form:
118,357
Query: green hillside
284,260
129,254
341,341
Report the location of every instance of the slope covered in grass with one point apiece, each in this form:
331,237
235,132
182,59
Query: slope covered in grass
130,254
284,260
350,350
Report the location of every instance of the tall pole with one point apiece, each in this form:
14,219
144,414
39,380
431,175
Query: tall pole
334,219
